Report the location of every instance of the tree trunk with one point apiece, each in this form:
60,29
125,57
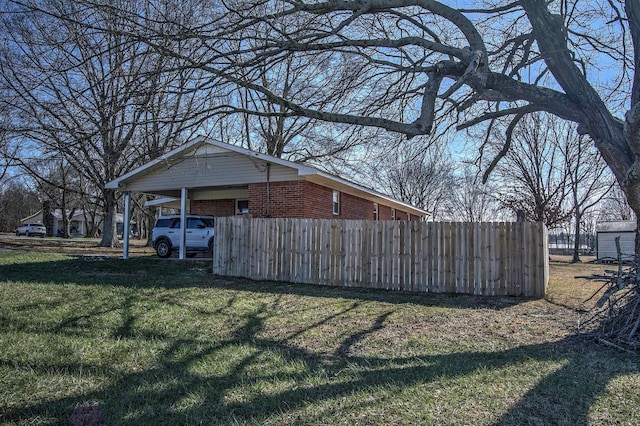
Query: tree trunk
47,217
631,190
110,235
576,243
150,220
65,225
637,242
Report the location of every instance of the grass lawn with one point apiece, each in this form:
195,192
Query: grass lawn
150,341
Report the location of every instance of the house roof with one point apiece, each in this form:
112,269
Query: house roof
57,214
31,217
174,157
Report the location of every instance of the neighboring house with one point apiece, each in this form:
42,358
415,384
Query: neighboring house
78,225
607,232
214,178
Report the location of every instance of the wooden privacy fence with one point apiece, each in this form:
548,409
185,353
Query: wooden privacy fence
489,259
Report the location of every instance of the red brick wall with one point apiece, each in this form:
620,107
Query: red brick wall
300,199
400,215
352,207
384,212
297,199
318,202
285,199
214,207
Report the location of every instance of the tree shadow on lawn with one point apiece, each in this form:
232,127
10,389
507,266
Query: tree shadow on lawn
159,273
186,386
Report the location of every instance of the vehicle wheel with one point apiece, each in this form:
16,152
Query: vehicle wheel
163,248
17,234
210,245
27,234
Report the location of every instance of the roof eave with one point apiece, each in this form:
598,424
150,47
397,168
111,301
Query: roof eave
118,182
391,202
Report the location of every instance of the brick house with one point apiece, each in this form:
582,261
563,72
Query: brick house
208,177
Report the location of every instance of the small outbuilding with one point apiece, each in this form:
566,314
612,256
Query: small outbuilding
606,234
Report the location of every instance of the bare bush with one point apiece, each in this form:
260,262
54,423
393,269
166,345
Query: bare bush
615,318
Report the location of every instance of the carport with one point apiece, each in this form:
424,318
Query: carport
202,169
178,176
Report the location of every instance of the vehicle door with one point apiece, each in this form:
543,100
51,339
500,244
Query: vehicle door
174,232
197,233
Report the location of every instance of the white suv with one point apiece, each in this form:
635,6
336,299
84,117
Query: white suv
29,229
165,236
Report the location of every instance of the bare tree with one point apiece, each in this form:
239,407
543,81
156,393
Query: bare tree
551,174
8,148
17,201
420,175
472,200
60,184
274,131
533,175
80,88
589,180
615,207
314,79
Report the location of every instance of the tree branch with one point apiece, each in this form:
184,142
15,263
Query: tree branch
505,148
632,8
497,114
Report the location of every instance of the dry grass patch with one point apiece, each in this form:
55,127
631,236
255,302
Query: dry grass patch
568,285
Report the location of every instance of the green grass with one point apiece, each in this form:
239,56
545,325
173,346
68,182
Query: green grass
166,342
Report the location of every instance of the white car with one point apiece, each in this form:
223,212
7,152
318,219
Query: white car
30,229
165,235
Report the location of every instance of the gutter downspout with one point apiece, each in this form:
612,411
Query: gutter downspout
268,213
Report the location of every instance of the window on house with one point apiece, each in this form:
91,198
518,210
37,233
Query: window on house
336,202
393,214
375,211
242,206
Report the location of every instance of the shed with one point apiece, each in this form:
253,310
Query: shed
607,232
